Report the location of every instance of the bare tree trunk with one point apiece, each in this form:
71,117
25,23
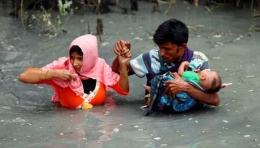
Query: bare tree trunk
16,7
88,27
259,5
134,5
237,3
155,6
99,28
22,14
104,6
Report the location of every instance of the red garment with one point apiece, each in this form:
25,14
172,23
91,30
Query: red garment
69,99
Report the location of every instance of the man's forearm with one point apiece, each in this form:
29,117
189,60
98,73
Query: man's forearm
211,99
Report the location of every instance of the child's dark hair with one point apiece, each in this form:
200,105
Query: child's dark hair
76,48
216,85
173,31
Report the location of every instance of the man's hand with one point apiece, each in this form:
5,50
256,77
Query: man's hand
175,86
127,56
179,85
122,48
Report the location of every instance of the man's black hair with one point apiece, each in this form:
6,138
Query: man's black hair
173,31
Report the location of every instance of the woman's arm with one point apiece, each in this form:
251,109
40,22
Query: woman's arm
115,67
123,68
123,81
35,75
122,86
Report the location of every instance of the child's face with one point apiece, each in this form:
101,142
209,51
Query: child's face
206,77
204,73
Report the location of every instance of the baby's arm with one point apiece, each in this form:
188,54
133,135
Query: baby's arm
182,67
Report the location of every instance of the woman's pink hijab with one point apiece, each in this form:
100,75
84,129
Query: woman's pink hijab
93,67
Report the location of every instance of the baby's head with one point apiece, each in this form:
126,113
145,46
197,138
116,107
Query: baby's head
210,80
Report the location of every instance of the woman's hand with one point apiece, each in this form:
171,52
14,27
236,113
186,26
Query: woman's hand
66,75
124,58
119,46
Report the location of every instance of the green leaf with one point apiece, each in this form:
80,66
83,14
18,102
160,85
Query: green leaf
63,30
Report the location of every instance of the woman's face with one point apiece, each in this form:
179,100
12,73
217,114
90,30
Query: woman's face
76,60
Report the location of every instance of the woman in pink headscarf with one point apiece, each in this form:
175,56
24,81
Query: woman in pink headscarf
80,80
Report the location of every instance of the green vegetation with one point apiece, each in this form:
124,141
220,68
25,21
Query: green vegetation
40,14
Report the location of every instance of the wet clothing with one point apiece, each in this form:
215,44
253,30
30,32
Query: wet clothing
97,75
182,101
89,85
93,66
97,96
96,92
191,75
150,64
